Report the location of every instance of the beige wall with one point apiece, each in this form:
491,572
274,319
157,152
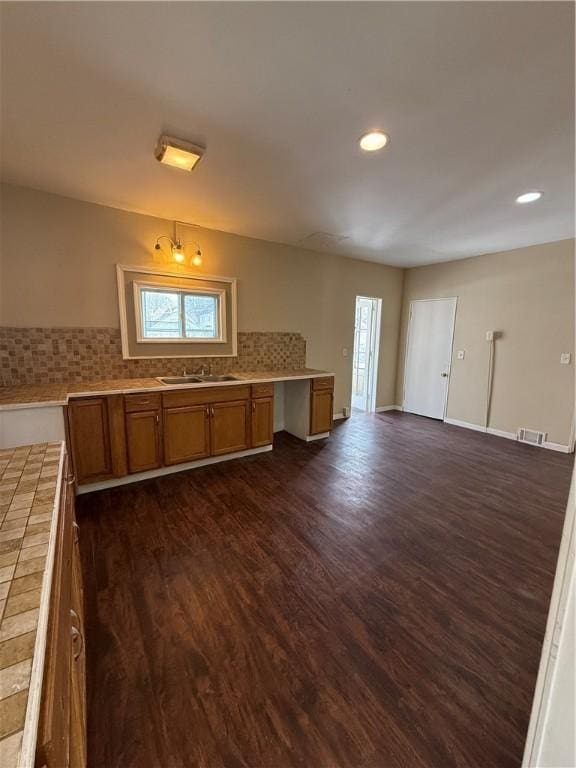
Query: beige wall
527,295
57,268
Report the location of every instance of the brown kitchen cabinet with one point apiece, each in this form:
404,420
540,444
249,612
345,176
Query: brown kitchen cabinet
262,421
186,433
96,437
321,405
225,427
229,427
78,662
143,440
90,438
111,436
61,739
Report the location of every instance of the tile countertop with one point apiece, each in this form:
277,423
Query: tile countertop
30,478
42,395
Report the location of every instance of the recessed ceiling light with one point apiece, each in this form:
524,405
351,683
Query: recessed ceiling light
529,197
374,140
178,153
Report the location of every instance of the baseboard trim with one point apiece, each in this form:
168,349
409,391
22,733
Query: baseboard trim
465,424
502,433
384,408
152,473
338,416
559,447
319,436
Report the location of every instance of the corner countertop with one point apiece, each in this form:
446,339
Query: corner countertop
46,395
30,481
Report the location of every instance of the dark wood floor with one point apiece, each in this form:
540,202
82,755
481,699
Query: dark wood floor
377,600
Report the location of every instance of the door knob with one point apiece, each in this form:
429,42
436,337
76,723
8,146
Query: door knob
444,374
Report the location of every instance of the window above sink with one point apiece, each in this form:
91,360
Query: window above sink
179,315
168,314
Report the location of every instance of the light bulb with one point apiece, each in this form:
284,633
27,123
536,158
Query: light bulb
178,252
197,260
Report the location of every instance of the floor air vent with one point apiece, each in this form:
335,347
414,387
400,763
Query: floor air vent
531,436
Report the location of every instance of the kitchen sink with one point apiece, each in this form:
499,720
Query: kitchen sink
199,379
180,379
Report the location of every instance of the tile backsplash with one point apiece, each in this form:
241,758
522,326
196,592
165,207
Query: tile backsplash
62,355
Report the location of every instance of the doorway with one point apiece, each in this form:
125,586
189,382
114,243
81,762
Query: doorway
429,356
366,350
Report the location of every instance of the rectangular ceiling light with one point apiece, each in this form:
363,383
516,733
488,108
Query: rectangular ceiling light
178,153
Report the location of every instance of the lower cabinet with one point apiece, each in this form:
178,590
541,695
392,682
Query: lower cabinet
89,430
186,433
321,405
78,672
116,435
262,421
61,739
230,427
143,440
97,437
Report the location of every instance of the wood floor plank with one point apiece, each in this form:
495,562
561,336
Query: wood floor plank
377,600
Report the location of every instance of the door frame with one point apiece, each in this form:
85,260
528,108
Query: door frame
407,347
376,327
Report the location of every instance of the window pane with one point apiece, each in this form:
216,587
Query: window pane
160,315
201,316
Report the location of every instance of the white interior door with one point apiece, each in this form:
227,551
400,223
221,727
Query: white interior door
428,356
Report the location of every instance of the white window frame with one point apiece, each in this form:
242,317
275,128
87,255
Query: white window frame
123,270
219,293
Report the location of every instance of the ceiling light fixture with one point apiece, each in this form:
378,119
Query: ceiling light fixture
373,141
529,197
178,153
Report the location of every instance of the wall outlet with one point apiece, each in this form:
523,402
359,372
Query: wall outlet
460,354
489,335
565,358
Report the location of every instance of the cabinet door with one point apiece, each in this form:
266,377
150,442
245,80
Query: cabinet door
78,662
90,438
53,741
186,433
229,427
143,440
321,411
262,421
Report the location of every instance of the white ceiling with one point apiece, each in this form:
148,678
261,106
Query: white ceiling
477,99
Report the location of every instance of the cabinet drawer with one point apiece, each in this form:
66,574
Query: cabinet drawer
147,401
263,390
204,396
324,382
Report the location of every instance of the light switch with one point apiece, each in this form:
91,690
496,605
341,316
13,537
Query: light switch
460,354
344,352
565,358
